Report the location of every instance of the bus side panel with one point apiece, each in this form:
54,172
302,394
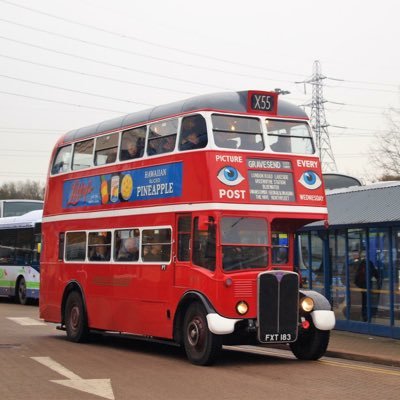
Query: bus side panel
51,281
97,283
7,280
142,302
49,303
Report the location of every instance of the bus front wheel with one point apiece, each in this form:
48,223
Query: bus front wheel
310,344
76,323
201,345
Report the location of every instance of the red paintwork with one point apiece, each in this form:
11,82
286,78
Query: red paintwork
135,298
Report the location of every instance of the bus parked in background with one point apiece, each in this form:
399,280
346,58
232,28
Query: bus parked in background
20,244
179,222
13,208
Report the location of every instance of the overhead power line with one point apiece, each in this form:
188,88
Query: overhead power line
353,111
61,102
8,128
119,66
94,75
361,88
148,42
73,90
91,60
152,57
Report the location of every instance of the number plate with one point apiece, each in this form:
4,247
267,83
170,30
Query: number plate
278,337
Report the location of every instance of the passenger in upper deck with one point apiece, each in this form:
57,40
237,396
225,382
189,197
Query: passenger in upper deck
193,133
251,141
282,144
227,139
130,150
152,147
193,140
168,144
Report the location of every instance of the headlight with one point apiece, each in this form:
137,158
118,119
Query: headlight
307,304
242,307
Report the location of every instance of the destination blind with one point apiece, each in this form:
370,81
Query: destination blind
268,185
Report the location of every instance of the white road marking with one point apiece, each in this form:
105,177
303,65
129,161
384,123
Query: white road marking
26,321
55,366
262,350
98,387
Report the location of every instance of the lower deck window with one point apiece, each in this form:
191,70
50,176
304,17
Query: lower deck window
126,245
75,246
156,245
244,243
99,248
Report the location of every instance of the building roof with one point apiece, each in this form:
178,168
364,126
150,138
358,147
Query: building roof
361,205
227,101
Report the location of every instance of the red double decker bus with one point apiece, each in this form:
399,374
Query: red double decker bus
179,223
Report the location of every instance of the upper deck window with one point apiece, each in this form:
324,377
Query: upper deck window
83,154
237,132
132,144
193,133
106,149
289,137
62,160
244,243
162,137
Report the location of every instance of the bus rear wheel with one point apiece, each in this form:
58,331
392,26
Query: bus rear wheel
310,344
201,345
76,323
21,291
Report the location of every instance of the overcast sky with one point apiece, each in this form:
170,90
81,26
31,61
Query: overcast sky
70,63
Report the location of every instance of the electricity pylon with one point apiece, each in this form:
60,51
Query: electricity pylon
318,120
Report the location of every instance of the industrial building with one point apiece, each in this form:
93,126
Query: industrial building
363,230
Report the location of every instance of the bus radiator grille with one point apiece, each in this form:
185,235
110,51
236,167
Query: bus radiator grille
278,309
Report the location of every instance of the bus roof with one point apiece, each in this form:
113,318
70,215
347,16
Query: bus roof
235,102
28,220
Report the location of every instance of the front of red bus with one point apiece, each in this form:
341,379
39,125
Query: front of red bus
266,183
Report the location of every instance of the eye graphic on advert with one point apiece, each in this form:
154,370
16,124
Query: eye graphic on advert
230,176
310,180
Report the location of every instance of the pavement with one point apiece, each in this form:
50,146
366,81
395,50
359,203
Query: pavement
361,347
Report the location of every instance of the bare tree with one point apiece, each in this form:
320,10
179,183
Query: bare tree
22,190
386,153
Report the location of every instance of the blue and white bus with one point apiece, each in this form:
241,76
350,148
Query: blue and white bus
20,245
15,207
